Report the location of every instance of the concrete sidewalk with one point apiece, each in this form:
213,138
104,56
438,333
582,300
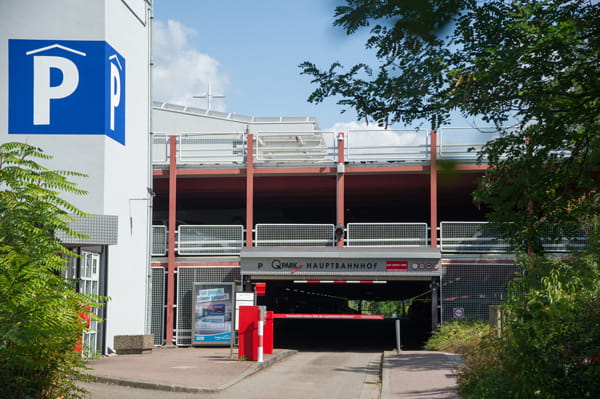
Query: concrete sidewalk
419,374
410,374
206,369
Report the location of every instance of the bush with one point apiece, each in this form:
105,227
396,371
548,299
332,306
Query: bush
458,336
480,374
39,310
551,345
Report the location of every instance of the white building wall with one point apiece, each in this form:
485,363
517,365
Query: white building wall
118,174
127,173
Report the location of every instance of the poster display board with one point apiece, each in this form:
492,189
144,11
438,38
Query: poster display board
212,307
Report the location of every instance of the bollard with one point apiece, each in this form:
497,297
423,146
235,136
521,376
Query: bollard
261,324
398,334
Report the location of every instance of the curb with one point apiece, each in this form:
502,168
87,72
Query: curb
385,375
256,367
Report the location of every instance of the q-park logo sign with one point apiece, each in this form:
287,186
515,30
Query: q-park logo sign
66,87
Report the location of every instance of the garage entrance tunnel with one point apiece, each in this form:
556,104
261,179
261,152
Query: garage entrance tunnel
324,297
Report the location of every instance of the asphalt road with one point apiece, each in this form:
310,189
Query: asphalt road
315,375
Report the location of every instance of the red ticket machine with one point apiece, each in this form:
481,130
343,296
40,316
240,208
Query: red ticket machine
248,333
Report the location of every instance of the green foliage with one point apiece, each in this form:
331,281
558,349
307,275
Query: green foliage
386,308
544,73
458,336
410,82
481,374
39,310
536,62
551,344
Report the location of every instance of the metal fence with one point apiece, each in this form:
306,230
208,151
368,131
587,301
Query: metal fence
210,239
186,277
472,288
576,241
159,240
465,143
157,324
481,237
387,145
387,235
364,146
294,235
212,148
160,148
470,237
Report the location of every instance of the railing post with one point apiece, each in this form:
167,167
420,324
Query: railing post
433,188
249,188
340,184
171,238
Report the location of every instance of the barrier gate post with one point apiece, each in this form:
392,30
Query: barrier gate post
268,333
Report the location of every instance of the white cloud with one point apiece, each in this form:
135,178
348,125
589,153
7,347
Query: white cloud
180,71
345,126
361,134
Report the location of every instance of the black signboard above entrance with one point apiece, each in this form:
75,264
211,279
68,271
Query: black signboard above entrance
340,261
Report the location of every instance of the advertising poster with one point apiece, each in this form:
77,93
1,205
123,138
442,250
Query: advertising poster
212,305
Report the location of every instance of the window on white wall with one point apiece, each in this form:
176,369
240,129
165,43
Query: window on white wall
89,284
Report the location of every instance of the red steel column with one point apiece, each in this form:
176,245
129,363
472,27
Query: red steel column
249,188
433,222
340,184
171,238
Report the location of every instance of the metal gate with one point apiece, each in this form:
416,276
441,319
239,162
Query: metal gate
468,289
157,322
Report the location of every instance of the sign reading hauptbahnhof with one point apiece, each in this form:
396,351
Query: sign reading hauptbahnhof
295,261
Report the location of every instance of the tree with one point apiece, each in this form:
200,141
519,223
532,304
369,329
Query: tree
537,62
39,310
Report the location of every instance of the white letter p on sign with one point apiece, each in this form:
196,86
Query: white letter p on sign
43,92
115,92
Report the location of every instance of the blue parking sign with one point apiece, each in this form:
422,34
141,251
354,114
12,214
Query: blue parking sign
66,87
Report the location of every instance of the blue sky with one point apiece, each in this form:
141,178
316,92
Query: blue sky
249,51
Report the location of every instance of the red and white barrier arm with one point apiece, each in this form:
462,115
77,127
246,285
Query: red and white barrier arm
328,316
340,282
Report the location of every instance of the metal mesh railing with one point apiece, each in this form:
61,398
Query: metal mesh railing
160,149
465,142
213,148
470,237
294,235
575,241
387,235
159,240
473,288
387,145
157,324
186,277
210,239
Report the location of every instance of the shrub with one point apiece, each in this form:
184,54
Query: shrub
458,336
551,345
39,310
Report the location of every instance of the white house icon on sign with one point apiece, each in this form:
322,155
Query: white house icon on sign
43,91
